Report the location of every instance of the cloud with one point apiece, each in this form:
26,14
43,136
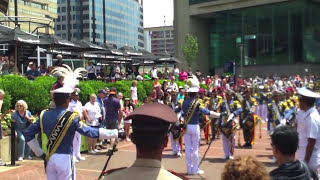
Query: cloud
154,10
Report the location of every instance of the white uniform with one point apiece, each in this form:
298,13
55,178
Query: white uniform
191,140
76,106
309,127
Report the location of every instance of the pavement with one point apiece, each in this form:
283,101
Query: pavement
213,163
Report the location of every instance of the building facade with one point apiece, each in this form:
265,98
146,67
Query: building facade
162,39
265,36
101,21
34,16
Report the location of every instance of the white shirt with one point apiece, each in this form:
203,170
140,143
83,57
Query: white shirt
309,127
139,78
134,93
173,86
94,114
176,71
154,73
91,69
76,106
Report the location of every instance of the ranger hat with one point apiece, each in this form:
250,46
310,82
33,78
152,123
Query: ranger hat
152,117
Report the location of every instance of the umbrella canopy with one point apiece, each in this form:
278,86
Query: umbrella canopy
130,51
167,58
10,35
88,46
113,49
56,41
146,55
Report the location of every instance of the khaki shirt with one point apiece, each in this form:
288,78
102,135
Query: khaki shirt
143,169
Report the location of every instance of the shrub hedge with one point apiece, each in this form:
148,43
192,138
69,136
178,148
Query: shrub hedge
37,93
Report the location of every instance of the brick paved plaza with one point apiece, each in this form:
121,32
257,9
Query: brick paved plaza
92,166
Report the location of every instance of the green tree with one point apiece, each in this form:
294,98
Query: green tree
190,48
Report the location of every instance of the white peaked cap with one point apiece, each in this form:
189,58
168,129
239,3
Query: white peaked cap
307,93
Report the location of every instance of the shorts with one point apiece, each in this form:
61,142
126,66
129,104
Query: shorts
112,124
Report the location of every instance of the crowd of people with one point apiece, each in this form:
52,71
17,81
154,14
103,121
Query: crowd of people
289,105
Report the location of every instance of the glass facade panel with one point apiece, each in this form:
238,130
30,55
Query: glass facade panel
281,33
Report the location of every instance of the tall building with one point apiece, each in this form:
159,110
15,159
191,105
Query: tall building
100,21
265,36
162,39
34,15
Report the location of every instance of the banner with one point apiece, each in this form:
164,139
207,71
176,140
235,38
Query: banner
4,6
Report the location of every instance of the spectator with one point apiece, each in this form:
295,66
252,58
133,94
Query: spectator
134,93
112,75
120,98
166,73
176,71
183,75
145,101
164,86
92,114
181,94
146,76
244,168
189,72
49,71
100,97
2,163
5,69
155,83
198,74
76,106
157,93
139,77
172,85
33,73
23,119
42,69
117,71
112,106
106,89
100,74
284,143
154,72
11,66
59,62
127,109
91,69
29,66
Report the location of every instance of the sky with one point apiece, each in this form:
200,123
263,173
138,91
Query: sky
154,10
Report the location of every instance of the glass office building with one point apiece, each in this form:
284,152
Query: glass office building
100,21
262,33
281,33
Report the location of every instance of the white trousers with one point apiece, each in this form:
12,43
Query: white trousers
263,111
76,145
61,167
227,144
191,141
174,144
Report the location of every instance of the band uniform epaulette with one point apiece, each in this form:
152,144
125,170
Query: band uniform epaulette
112,171
236,104
178,175
254,101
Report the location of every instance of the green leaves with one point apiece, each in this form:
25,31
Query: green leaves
190,48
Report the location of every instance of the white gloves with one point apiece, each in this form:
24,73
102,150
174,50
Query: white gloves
35,147
214,114
283,121
230,117
108,133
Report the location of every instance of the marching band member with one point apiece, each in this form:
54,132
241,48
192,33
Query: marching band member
232,108
175,144
191,109
215,106
249,105
58,158
204,101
